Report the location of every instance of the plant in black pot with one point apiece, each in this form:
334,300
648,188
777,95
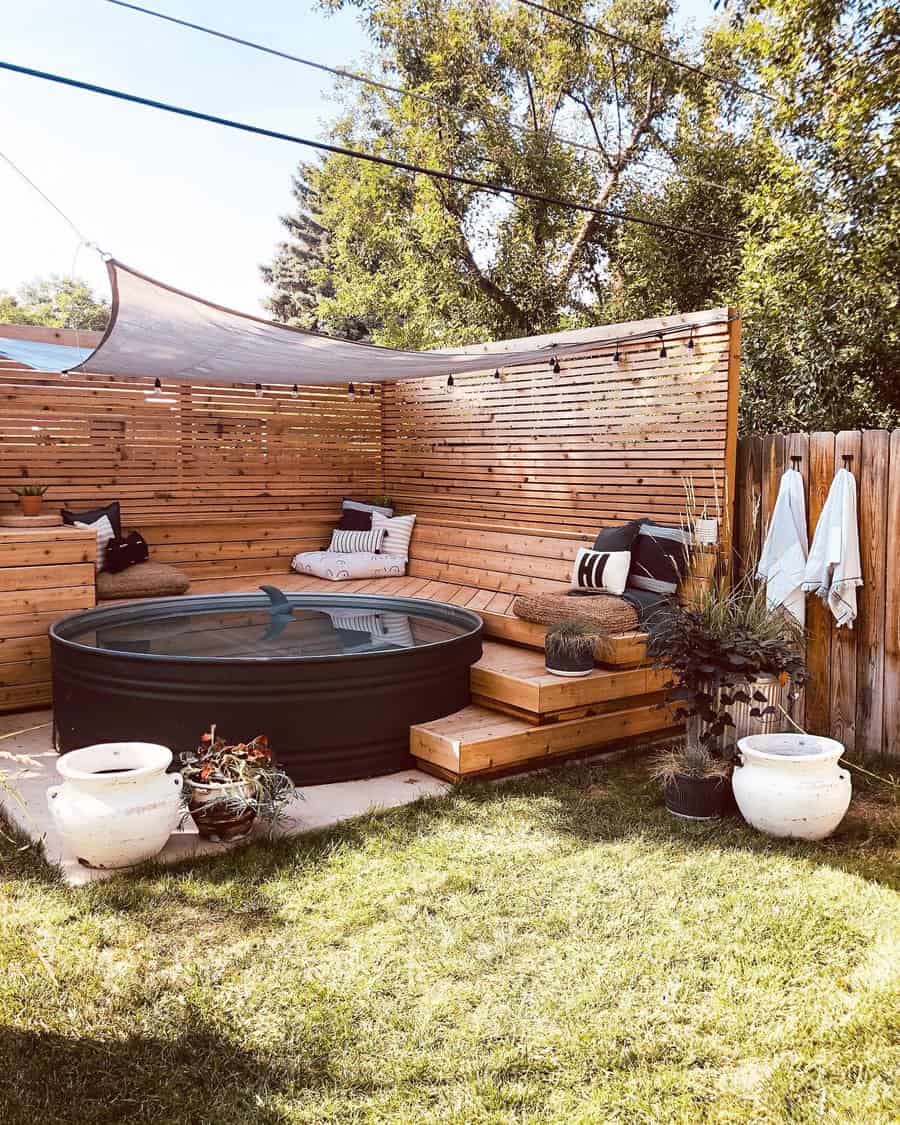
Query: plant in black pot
735,662
569,649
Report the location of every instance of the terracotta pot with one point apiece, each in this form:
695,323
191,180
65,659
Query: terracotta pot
219,810
698,798
31,505
117,805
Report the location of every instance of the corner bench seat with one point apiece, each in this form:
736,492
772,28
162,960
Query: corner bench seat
481,566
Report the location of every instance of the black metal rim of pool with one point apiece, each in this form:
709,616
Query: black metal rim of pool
329,717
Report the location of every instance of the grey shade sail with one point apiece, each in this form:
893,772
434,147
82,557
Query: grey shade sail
157,332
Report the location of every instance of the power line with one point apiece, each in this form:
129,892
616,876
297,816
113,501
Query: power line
649,51
355,154
366,80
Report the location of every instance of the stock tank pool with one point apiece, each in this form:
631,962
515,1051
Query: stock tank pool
334,680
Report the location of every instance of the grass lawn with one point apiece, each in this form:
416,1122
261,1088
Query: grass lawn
555,949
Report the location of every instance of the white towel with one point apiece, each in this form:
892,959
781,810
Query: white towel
782,562
833,569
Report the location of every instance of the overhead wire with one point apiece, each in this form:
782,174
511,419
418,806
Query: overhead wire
356,154
379,84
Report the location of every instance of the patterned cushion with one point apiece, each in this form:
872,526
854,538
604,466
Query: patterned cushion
105,532
398,532
146,580
660,558
606,571
352,542
339,567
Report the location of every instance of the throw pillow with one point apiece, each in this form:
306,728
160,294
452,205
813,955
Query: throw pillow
352,519
398,532
606,571
361,506
356,542
104,532
660,558
112,512
618,538
126,551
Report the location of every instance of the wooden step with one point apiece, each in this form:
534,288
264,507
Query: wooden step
512,679
478,742
623,650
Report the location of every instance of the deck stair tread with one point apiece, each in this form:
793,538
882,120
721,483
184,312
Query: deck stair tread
514,679
476,740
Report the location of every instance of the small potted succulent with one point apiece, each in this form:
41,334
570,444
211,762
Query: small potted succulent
227,786
569,649
31,498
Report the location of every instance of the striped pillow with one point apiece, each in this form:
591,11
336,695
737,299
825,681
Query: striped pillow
356,542
605,571
397,533
659,558
104,532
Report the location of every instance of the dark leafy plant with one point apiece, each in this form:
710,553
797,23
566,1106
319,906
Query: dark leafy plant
266,787
716,648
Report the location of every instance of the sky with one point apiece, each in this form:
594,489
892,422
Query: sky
194,205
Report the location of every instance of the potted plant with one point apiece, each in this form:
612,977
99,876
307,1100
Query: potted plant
696,783
31,498
735,663
569,650
227,786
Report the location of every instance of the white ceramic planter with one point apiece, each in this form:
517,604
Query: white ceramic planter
791,784
117,805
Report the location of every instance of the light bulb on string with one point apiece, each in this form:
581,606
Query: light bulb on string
258,390
690,343
662,347
295,391
450,383
351,390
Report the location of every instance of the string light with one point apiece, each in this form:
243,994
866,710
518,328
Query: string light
617,357
449,382
372,390
690,343
259,390
662,347
554,363
351,390
497,373
157,386
296,391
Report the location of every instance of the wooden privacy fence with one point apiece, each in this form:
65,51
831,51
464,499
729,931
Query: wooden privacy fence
854,688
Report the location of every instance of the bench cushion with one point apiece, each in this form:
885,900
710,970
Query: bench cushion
603,613
339,566
145,580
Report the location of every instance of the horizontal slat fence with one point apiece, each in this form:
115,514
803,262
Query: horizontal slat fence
606,439
854,688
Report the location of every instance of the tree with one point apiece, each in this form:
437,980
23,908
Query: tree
428,262
56,302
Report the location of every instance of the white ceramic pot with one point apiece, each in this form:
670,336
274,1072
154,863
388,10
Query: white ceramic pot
117,805
791,784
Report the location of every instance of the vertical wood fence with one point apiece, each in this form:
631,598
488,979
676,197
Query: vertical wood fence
854,688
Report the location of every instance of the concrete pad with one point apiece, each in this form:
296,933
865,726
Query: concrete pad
28,769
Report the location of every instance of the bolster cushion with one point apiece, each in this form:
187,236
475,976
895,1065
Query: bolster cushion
144,580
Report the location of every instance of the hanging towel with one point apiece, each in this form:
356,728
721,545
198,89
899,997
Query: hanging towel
782,563
833,569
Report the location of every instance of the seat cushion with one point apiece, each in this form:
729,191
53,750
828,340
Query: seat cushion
339,566
145,580
601,613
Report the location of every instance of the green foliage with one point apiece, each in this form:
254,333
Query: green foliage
29,489
809,185
569,640
55,302
219,763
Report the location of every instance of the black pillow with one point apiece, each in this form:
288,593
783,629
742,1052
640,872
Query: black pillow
112,512
660,558
619,538
352,519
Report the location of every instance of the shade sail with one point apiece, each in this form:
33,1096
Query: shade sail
157,332
41,357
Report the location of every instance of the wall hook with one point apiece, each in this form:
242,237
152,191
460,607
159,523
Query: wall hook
847,458
796,460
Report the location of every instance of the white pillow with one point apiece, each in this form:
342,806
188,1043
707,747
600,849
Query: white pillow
398,532
604,571
338,567
104,530
359,506
351,542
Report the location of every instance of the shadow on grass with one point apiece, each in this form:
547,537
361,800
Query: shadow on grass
195,1078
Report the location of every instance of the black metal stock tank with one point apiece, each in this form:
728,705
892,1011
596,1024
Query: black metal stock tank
335,681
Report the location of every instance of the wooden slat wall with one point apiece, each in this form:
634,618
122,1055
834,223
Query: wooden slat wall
854,689
603,441
217,452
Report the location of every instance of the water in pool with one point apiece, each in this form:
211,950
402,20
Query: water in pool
259,634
